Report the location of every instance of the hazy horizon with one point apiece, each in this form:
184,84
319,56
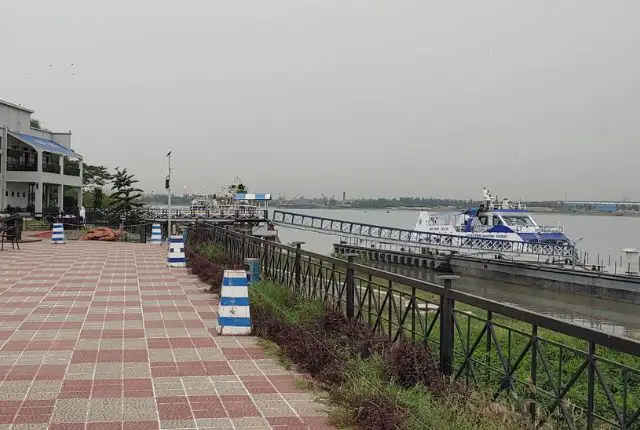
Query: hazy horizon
531,99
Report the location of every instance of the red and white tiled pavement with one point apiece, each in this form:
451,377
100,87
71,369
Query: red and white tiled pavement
100,335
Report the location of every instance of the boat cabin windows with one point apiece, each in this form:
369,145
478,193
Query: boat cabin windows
493,219
518,220
480,223
490,221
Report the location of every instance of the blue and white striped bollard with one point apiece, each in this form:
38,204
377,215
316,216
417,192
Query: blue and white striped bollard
234,317
57,233
176,256
156,234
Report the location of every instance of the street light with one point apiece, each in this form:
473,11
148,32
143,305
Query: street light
168,188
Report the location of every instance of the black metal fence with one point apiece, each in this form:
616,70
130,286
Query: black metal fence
560,373
75,227
232,212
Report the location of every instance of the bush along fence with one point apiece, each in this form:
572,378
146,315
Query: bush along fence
560,373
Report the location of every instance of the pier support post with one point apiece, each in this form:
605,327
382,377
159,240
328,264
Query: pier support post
296,268
446,326
350,284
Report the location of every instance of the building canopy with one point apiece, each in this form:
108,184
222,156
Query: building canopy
45,145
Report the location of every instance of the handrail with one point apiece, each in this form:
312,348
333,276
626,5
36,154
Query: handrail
219,212
426,239
626,345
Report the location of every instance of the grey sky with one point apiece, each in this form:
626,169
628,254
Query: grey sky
370,97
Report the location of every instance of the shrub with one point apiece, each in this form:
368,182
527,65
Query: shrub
208,262
409,364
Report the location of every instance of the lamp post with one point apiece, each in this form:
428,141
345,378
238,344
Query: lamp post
168,187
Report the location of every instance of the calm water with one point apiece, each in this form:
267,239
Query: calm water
601,235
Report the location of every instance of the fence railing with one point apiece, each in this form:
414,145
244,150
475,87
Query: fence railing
51,167
573,376
235,212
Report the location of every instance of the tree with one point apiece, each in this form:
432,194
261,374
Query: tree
125,198
35,123
98,197
95,176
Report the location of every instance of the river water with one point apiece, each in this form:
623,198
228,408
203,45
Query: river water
597,235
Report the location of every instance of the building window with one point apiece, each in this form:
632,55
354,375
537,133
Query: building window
13,193
24,194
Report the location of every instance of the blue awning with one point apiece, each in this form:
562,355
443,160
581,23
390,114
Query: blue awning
45,145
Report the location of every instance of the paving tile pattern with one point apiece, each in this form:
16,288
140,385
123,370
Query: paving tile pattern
105,336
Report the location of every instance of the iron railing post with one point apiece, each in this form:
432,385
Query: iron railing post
446,326
350,285
534,372
591,375
296,267
265,263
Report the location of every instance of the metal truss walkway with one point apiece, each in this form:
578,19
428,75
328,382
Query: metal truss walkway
411,237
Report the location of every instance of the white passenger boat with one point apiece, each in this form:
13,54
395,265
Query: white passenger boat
232,202
492,219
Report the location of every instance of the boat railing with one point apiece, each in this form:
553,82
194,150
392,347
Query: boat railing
551,228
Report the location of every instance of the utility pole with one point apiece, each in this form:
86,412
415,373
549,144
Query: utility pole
168,187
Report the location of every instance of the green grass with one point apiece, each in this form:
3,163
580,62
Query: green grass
272,294
365,381
209,250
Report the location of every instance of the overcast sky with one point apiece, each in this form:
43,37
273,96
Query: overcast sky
375,98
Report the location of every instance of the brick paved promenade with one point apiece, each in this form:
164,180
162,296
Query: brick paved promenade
105,336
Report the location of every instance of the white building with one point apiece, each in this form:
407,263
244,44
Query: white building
37,167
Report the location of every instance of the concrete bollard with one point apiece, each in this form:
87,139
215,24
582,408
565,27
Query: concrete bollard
234,317
156,234
57,233
176,257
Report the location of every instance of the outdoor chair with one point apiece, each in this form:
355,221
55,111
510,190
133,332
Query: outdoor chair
8,232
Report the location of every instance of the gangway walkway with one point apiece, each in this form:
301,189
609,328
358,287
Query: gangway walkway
415,238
